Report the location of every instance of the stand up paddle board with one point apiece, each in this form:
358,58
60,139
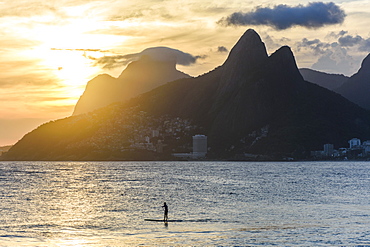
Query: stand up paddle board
163,220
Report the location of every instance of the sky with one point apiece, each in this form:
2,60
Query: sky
49,50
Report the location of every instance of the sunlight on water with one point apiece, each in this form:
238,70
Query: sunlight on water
210,203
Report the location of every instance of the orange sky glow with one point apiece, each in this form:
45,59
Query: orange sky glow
48,50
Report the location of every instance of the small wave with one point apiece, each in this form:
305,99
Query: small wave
12,236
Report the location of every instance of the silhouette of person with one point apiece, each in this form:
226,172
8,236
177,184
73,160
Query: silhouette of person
165,218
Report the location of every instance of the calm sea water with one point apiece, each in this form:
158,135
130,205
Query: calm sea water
214,203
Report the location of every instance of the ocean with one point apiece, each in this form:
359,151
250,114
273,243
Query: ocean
210,203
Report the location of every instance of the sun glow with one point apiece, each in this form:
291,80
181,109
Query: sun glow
67,52
71,69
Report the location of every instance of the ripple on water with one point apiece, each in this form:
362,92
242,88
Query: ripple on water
211,203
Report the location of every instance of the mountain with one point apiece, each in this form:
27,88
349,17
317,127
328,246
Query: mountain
4,149
357,87
329,81
253,103
251,94
139,77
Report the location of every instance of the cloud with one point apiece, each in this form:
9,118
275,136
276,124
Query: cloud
222,49
316,45
25,73
337,34
349,41
335,60
314,15
334,57
356,42
23,8
365,45
156,53
67,49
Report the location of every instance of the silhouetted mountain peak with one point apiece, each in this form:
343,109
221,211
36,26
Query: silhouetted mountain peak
284,54
365,66
248,54
283,63
248,51
139,77
248,40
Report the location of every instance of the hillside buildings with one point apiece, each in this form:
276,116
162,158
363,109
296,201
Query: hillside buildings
328,150
354,143
354,151
200,149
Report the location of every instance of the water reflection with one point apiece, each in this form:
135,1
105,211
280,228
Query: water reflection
67,197
211,203
62,202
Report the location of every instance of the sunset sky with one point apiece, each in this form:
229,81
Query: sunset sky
50,49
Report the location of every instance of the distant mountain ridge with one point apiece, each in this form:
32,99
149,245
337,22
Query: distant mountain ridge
253,103
139,77
355,88
329,81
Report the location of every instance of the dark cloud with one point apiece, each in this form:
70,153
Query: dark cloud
222,49
156,53
335,57
350,41
338,34
316,45
314,15
343,41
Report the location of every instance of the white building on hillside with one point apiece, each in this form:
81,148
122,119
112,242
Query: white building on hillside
354,142
199,146
328,150
366,146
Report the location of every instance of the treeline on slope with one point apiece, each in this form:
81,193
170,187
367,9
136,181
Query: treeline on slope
116,132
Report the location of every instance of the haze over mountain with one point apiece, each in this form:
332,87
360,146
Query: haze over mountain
329,81
357,87
139,77
253,103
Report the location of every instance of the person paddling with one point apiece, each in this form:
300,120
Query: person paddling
165,218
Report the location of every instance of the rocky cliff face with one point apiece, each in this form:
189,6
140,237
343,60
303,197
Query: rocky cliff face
139,77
